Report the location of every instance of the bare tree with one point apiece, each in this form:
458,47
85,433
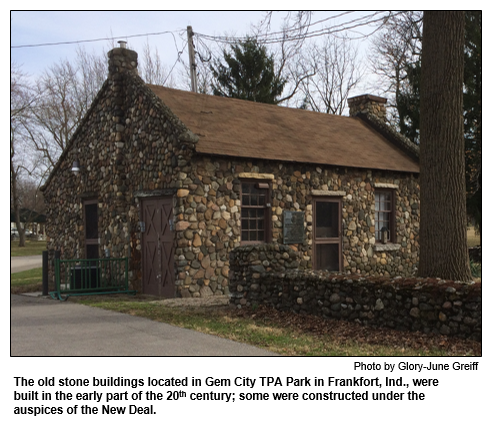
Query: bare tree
92,71
289,44
66,91
337,72
397,45
30,196
58,111
288,50
21,101
152,70
31,202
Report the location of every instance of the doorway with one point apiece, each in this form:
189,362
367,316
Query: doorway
158,269
327,234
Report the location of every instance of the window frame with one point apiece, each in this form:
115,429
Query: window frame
266,188
392,215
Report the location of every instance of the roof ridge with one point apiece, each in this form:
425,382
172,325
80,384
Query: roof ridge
247,102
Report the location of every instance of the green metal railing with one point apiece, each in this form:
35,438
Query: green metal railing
91,277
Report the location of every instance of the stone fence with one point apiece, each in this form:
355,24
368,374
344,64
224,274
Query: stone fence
268,274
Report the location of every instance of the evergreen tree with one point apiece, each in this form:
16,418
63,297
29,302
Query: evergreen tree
472,104
248,74
408,103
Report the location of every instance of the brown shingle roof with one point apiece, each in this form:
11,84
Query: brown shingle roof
238,128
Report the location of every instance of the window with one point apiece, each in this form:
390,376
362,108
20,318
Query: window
384,216
91,228
255,213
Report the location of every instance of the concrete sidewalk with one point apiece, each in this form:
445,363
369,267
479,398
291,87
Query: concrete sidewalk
19,264
41,326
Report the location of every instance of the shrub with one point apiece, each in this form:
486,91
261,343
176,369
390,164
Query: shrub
476,269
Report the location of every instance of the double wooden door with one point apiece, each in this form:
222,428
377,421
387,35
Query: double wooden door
158,267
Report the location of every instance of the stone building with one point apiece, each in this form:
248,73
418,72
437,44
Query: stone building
175,180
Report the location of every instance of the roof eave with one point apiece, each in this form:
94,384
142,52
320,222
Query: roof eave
289,161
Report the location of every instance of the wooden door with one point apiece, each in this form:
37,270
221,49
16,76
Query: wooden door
327,234
158,252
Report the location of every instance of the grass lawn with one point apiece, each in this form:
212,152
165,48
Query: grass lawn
31,248
472,238
26,281
287,333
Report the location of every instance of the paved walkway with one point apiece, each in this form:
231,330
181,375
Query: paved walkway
19,264
41,326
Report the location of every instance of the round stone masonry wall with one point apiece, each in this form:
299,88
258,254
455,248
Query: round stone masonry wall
208,217
412,304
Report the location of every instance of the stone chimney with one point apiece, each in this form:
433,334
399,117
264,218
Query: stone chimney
122,66
120,59
121,62
368,104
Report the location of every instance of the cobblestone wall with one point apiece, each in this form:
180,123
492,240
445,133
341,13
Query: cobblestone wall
129,145
209,207
416,304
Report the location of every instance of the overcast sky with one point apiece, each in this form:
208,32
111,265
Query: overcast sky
31,28
37,27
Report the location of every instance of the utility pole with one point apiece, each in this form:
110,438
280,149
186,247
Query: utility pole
192,60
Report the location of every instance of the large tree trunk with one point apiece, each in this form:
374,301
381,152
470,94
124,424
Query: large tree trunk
443,218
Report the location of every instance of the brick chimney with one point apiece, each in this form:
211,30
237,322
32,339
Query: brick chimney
368,104
120,59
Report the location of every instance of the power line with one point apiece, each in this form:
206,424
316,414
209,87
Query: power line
268,38
281,36
294,33
176,61
22,46
293,29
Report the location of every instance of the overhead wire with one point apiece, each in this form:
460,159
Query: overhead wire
94,40
179,57
270,38
293,29
282,36
286,35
